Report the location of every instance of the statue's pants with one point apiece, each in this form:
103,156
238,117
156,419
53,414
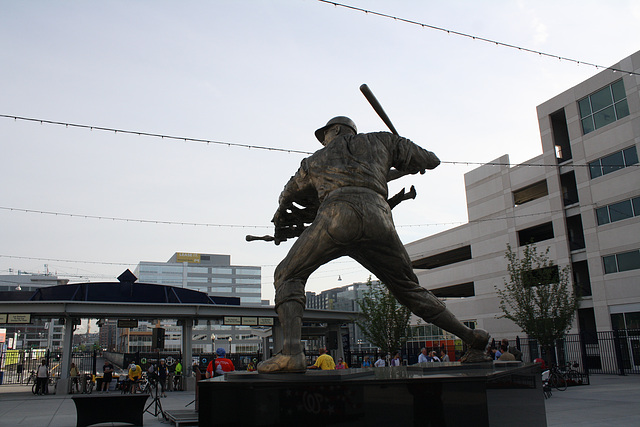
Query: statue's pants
356,222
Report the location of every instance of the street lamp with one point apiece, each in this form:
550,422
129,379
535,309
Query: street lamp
230,344
213,343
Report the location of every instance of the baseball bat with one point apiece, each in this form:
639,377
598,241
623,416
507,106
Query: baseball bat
377,107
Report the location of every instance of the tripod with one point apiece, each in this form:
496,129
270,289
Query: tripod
153,392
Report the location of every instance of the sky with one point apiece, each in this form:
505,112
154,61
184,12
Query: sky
259,73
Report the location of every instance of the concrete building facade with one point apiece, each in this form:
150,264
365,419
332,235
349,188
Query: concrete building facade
210,273
580,198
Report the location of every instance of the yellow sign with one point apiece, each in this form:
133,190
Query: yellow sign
265,321
250,321
3,318
232,320
188,257
18,318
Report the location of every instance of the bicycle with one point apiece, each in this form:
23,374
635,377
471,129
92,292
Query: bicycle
32,377
571,373
557,378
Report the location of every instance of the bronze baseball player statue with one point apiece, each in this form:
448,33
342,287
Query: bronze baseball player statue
336,204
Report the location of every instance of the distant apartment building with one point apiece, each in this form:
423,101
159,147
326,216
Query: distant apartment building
40,333
209,273
344,298
580,198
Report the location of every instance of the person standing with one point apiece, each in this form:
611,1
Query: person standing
433,357
423,357
324,361
74,373
505,356
220,364
163,371
107,376
341,364
445,356
513,350
42,377
380,363
396,360
366,363
177,376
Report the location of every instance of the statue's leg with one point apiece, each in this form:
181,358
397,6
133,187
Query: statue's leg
312,249
382,253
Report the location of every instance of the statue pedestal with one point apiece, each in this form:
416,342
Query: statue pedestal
438,394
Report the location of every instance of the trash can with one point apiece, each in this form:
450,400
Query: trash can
1,377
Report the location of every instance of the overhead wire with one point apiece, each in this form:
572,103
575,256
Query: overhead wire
478,38
259,147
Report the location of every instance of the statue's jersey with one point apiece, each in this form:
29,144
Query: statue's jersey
361,160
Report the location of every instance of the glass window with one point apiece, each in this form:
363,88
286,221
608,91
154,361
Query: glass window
632,320
221,289
218,270
248,290
595,169
225,280
170,269
601,99
603,107
604,117
622,109
248,271
610,265
630,156
621,210
629,261
585,107
250,300
612,163
203,270
636,206
618,91
255,281
602,215
197,279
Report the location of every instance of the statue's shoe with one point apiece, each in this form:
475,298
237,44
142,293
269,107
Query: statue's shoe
283,363
476,352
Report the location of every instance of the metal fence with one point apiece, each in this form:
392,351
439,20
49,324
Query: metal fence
16,365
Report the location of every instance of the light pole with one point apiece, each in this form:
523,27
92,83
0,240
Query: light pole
213,343
230,344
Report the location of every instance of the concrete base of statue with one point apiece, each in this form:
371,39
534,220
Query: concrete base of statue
437,394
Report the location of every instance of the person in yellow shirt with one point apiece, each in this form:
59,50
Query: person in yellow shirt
324,361
135,373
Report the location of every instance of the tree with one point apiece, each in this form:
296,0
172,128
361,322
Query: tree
538,296
385,321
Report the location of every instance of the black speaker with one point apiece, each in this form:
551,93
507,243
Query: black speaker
332,340
157,338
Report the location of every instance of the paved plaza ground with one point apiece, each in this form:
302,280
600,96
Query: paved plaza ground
609,401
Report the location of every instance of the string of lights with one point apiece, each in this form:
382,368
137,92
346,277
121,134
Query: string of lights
482,39
196,224
153,135
145,221
257,147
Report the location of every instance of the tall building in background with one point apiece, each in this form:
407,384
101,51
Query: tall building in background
209,273
580,198
40,333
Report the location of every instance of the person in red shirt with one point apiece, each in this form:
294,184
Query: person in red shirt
220,364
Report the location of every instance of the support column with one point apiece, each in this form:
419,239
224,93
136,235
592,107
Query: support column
187,369
67,348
